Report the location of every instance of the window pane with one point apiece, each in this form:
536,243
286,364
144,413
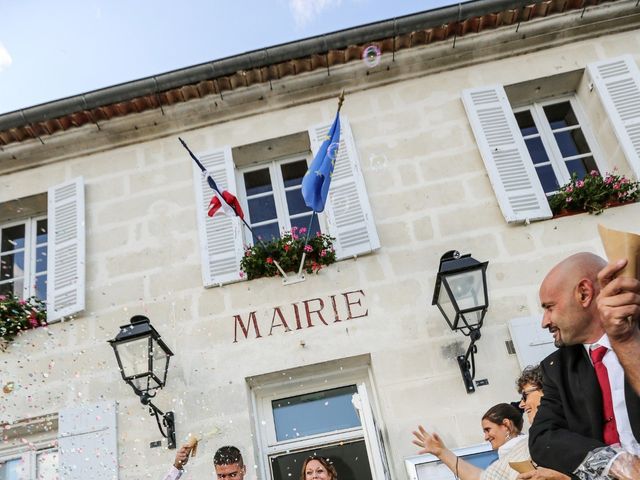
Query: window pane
301,222
11,470
560,115
440,471
525,122
547,178
11,265
262,208
41,287
41,231
315,413
41,259
295,202
293,172
572,142
581,166
349,459
47,465
536,150
266,232
258,181
12,238
12,288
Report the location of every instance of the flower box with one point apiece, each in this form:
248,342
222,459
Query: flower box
260,259
17,315
593,194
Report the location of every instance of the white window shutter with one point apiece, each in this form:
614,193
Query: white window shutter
531,342
88,442
221,237
617,82
505,155
372,435
347,211
66,251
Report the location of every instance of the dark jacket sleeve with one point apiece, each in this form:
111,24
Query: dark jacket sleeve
554,441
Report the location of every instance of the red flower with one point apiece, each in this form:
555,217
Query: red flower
269,260
286,247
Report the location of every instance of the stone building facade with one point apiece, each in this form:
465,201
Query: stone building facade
422,175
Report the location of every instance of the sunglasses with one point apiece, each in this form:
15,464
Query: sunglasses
525,393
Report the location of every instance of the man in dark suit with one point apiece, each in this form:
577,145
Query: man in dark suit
570,432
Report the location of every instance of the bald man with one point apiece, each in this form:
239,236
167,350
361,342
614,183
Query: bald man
568,432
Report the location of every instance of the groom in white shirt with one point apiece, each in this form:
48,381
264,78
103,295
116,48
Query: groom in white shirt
227,462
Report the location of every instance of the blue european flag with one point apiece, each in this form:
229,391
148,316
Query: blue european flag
315,184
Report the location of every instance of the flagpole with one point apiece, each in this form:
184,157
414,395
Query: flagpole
221,198
306,240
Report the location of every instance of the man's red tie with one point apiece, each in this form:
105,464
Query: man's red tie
611,436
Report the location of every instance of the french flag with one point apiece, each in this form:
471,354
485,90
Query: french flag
222,200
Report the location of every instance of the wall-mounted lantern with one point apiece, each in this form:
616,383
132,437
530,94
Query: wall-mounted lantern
461,296
143,359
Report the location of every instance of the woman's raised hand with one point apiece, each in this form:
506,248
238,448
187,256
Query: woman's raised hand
428,442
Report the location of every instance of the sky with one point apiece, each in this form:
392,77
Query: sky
54,49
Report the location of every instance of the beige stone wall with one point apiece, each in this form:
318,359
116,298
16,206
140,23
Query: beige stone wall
429,193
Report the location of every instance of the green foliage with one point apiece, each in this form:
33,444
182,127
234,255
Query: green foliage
17,315
594,193
258,260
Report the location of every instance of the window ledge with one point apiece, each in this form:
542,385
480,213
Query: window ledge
569,213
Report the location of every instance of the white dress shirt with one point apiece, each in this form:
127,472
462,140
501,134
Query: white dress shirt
616,381
173,474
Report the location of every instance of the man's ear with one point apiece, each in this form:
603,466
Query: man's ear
585,292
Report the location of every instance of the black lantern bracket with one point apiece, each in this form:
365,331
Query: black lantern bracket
145,377
168,420
460,294
467,362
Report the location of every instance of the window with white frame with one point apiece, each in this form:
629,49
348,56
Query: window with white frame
559,141
429,467
330,416
37,463
529,152
23,258
29,449
273,198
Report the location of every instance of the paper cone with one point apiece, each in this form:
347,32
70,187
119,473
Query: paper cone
619,245
193,443
522,467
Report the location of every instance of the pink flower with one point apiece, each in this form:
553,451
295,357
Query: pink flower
308,248
323,253
247,253
2,298
608,179
303,230
241,274
22,302
269,260
569,199
294,229
579,184
594,173
318,234
569,189
616,186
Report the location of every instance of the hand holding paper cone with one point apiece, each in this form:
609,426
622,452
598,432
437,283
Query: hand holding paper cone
619,300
